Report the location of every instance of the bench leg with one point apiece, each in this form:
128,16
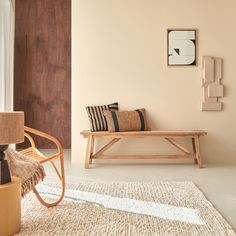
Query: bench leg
194,151
198,154
89,151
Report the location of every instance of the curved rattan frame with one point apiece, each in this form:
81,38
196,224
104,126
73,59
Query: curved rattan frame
33,152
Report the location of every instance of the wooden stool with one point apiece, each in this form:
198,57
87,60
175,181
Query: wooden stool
10,207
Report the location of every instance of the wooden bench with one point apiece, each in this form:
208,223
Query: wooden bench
167,135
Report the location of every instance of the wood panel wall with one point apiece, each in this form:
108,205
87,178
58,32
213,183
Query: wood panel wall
42,73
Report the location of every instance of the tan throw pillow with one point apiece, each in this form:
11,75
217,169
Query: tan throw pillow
119,121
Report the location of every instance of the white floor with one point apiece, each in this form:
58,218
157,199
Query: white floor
218,183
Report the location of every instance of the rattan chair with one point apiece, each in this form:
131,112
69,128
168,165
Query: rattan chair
33,152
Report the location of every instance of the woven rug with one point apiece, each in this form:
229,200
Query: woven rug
164,208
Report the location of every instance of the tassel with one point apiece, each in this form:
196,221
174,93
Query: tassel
29,184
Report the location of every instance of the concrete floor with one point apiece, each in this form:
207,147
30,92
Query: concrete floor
218,183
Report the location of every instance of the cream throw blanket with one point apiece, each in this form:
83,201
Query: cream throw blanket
30,171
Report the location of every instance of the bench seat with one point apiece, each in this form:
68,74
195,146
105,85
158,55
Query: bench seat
168,135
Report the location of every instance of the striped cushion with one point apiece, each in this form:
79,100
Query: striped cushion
97,119
119,121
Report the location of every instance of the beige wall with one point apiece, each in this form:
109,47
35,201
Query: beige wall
119,54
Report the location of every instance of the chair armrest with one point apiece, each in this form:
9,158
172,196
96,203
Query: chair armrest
43,135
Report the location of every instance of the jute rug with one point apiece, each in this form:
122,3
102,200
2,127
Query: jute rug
165,208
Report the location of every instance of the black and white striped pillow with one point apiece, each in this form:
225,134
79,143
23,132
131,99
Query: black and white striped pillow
97,119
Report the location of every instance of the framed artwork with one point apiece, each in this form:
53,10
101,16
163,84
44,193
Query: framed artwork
181,47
